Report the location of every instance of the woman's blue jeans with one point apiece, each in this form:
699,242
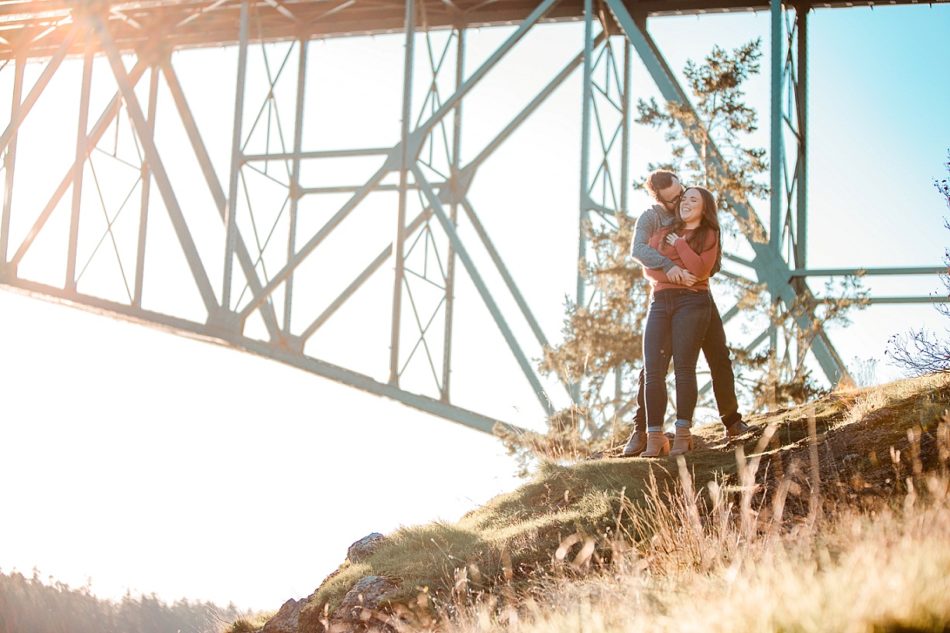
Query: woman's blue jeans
675,328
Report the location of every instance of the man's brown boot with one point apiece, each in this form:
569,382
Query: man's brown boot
658,445
736,429
682,442
636,444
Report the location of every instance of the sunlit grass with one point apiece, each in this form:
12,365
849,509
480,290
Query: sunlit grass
248,624
834,493
886,572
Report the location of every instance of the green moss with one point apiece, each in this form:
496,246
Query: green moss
335,587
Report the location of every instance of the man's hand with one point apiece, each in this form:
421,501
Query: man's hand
682,277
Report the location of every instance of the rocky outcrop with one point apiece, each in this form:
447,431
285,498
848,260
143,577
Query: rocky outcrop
361,604
286,620
365,597
359,610
311,620
365,547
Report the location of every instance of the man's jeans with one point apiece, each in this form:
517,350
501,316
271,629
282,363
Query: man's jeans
720,369
676,326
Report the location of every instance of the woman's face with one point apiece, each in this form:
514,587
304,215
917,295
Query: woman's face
691,206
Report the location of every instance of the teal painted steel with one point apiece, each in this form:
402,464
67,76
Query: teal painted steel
584,203
9,163
295,193
505,274
233,340
311,244
840,272
783,280
42,81
472,269
199,275
801,91
525,113
75,171
399,241
777,156
627,117
448,105
146,178
234,173
189,23
456,191
360,279
392,161
81,151
217,192
906,300
335,153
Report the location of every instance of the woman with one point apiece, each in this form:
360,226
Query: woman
677,318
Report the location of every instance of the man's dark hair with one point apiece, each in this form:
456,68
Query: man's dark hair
658,180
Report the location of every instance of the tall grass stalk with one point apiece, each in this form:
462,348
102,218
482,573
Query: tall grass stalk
719,562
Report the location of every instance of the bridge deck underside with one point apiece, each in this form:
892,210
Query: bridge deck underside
35,28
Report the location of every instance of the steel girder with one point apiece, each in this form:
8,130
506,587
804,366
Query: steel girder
441,184
190,23
431,179
605,158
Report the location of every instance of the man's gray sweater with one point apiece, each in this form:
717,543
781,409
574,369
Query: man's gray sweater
647,224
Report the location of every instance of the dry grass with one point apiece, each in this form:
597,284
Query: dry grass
731,568
249,624
830,517
889,573
864,405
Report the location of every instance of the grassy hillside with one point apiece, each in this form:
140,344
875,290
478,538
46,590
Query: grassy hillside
827,466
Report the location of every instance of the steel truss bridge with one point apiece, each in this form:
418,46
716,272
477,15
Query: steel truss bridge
422,173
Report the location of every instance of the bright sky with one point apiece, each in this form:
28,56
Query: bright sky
139,460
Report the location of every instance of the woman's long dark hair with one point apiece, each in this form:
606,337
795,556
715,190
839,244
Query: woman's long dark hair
708,229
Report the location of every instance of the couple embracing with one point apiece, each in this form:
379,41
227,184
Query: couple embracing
677,241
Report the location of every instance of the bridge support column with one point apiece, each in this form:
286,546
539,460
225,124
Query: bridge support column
234,174
146,194
399,242
605,164
456,189
296,190
81,154
9,161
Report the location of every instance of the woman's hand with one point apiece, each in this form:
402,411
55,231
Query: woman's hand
671,238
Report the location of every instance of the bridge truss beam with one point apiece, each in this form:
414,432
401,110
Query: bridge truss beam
248,288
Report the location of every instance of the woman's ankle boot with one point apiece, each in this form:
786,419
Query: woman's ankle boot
658,445
682,442
636,444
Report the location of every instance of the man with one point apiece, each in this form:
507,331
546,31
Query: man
666,189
